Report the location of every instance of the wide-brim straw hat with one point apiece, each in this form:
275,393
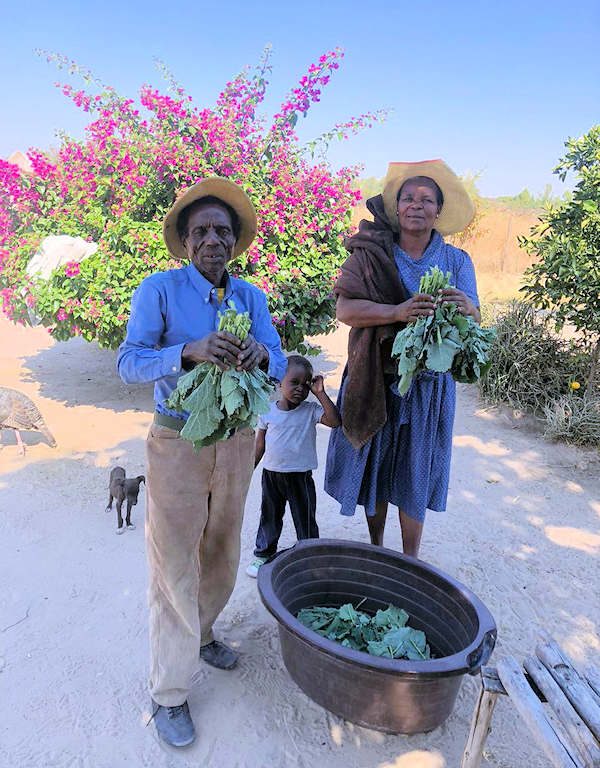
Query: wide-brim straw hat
223,189
458,209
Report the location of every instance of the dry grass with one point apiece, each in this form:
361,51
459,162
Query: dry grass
532,370
575,419
532,366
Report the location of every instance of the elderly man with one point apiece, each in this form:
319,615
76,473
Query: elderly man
195,500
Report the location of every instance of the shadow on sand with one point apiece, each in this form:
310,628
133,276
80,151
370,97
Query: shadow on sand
94,370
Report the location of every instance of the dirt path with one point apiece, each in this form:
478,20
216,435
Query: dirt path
522,531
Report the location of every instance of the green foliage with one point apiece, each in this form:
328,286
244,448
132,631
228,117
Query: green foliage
115,185
370,186
527,201
221,401
95,302
385,634
444,341
531,365
566,276
534,369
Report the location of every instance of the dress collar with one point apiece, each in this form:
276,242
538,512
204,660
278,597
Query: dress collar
434,246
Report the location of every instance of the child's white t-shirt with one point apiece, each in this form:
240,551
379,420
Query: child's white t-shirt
291,439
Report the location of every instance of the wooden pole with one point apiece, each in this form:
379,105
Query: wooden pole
532,712
575,688
578,731
480,728
592,675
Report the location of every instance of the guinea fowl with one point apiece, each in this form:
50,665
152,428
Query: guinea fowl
18,412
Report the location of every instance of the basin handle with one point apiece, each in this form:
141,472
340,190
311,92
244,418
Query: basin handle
480,656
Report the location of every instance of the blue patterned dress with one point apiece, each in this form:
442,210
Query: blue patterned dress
407,462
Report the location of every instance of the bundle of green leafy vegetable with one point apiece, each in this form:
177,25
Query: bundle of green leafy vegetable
444,341
385,634
217,401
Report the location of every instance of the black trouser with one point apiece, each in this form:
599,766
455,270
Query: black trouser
296,488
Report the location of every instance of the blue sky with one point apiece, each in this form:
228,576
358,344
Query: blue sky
492,87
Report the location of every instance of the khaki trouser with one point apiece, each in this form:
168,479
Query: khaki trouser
194,510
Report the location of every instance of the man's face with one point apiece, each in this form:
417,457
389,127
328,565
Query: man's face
210,241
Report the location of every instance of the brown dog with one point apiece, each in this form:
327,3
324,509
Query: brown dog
119,489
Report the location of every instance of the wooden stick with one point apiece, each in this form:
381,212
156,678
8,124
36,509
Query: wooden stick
532,712
592,675
575,688
578,731
480,728
491,681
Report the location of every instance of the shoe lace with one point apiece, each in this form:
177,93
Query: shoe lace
175,711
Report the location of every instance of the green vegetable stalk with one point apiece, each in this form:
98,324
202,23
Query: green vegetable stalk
444,341
220,402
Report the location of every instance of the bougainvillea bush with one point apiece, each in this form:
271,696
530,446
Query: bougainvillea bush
114,187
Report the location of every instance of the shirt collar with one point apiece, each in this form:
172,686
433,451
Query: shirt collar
204,287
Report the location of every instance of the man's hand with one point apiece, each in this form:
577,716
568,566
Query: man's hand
251,354
219,347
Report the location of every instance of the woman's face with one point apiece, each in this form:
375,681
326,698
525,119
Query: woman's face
417,208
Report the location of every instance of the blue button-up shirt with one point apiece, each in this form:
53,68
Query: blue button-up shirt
170,309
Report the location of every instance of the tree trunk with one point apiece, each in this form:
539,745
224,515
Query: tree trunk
589,388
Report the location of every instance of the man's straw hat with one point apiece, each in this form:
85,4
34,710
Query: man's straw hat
223,189
458,209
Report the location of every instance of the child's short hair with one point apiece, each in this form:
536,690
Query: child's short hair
299,360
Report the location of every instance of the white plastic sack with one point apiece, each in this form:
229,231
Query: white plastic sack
57,250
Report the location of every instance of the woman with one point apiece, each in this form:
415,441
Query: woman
394,449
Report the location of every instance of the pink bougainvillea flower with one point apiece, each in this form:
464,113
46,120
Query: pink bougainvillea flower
72,269
114,185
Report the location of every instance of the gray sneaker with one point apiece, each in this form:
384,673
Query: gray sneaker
174,724
219,655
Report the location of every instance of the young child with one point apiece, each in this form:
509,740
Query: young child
287,437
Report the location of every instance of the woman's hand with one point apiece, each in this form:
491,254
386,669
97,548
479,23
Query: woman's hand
419,305
219,347
463,303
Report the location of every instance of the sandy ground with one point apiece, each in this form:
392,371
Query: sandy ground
522,531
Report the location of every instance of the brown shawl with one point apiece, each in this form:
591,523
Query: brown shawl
370,273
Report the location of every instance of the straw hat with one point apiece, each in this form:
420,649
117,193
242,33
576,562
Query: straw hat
458,210
223,189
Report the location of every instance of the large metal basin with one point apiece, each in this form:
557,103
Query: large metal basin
385,694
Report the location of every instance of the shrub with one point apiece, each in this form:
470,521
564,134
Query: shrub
574,419
532,367
566,276
115,186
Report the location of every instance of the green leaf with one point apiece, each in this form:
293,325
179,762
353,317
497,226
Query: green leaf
384,634
391,617
440,356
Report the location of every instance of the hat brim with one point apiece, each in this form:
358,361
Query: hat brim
223,189
458,209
